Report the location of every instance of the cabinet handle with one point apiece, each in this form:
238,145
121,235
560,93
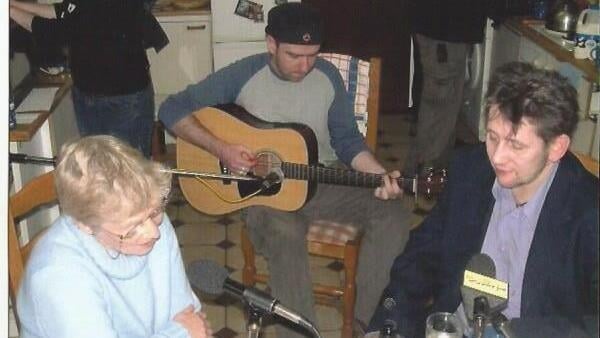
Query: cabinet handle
193,28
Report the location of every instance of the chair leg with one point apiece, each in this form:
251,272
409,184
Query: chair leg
350,263
249,271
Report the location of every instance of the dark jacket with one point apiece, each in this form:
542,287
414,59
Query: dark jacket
561,274
107,42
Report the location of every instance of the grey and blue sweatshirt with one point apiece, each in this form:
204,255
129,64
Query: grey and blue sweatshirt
320,101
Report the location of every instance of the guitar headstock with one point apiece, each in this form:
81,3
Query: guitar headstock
432,182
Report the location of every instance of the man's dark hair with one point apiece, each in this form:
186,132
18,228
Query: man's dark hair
544,97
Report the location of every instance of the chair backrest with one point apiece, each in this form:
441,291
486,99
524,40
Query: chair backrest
362,80
38,192
588,163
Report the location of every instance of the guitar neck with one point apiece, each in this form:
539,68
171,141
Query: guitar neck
339,176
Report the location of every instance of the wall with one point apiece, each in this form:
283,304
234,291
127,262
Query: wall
365,28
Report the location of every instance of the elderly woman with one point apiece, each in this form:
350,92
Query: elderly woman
110,266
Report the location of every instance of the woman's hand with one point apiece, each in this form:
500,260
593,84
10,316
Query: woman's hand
194,322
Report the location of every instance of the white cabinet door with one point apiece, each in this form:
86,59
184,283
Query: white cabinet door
187,58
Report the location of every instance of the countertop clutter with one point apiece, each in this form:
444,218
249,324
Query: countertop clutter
28,123
181,7
526,28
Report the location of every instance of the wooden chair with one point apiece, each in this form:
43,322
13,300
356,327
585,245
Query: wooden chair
330,239
36,193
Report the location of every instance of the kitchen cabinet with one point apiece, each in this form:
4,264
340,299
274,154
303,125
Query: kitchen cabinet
187,58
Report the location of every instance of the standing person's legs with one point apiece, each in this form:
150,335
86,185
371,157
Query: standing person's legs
129,117
133,119
87,113
281,238
441,98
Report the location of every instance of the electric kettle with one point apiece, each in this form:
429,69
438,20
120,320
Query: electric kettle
587,36
562,17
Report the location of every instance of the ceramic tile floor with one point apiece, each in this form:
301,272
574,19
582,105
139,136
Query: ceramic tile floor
218,238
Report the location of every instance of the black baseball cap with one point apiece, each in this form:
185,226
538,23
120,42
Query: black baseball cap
295,23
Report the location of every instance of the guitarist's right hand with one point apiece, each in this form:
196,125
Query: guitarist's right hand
237,158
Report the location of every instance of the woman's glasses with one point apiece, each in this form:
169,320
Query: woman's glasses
136,231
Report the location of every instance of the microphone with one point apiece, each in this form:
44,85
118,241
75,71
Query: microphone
211,278
482,294
270,180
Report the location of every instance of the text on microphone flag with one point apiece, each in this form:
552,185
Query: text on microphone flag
486,284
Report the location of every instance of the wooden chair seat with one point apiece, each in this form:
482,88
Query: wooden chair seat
328,232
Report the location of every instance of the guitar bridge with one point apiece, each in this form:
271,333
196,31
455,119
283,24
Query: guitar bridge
225,170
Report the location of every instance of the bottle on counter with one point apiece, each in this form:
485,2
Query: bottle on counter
12,114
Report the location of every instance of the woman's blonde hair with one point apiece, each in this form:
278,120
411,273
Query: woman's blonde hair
96,174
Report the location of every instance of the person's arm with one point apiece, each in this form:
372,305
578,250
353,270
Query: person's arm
69,301
236,157
411,283
346,140
184,304
41,20
34,8
413,274
218,88
366,162
21,17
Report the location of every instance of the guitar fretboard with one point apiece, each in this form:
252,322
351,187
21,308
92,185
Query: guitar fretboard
338,176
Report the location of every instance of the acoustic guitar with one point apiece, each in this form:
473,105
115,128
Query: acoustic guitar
287,169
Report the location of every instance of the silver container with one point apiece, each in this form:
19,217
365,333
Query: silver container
562,17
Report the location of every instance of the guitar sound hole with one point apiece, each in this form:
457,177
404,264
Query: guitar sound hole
266,163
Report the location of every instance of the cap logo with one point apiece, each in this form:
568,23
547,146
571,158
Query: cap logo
306,37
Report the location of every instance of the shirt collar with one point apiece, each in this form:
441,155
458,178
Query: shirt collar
531,210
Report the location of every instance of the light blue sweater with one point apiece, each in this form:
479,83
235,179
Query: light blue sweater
72,288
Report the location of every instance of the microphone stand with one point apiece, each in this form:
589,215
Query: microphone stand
481,310
254,325
29,159
254,321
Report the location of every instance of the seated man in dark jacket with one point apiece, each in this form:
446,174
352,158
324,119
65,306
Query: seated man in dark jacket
529,204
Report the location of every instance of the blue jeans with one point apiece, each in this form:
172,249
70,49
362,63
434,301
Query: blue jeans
129,117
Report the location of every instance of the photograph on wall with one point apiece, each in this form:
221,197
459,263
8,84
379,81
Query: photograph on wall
250,10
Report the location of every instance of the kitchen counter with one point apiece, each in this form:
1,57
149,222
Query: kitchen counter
24,132
166,8
523,26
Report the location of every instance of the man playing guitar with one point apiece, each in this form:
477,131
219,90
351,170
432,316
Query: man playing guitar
291,83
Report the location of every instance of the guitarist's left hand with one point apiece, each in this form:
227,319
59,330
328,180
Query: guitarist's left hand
366,162
390,188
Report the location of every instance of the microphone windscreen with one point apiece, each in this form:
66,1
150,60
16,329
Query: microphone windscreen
207,276
482,264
